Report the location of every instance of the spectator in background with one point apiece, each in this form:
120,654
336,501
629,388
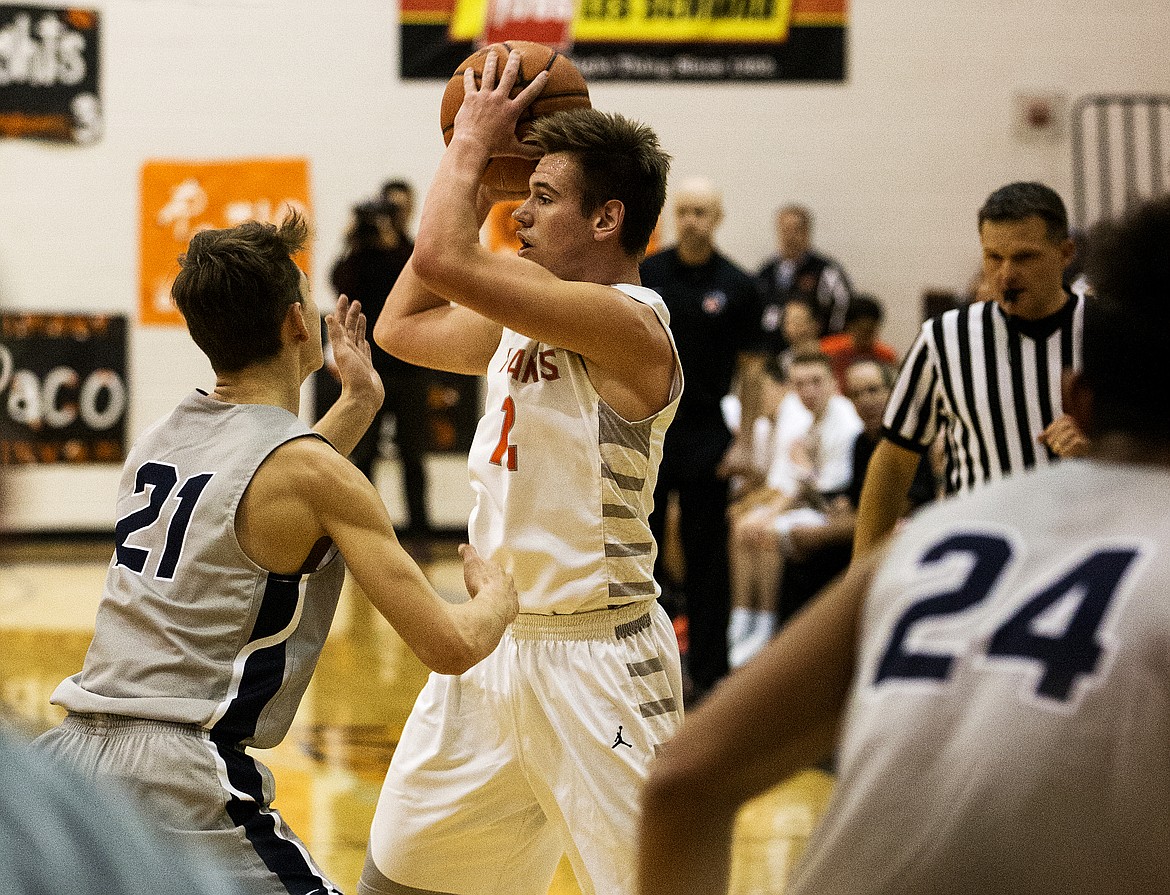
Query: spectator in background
802,327
860,340
714,312
398,199
798,270
812,466
378,247
819,550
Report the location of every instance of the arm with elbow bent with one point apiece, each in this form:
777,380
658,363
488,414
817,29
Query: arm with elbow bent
306,491
883,497
422,328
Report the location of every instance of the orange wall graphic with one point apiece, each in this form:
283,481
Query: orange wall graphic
181,198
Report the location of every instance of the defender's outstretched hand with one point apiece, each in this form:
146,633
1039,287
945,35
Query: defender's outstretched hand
351,353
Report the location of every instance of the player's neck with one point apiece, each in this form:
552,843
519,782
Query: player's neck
618,270
258,384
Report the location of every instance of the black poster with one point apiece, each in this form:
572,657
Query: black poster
49,67
63,395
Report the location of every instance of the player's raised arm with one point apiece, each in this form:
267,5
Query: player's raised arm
558,289
362,391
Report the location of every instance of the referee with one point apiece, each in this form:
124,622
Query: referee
987,376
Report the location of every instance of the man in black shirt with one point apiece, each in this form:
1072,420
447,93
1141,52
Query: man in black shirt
714,316
797,270
378,247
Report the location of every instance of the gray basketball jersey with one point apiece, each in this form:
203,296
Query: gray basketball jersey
1009,725
189,629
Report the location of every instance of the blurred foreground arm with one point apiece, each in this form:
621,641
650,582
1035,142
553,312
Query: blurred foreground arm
776,715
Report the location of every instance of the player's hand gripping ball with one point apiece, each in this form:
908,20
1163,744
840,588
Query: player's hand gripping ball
565,89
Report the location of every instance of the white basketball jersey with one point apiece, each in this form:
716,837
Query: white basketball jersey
1009,725
563,485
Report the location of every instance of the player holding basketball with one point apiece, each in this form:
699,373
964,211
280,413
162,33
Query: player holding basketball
1006,710
226,573
542,748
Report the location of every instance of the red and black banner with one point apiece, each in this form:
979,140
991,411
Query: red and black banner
63,395
638,40
49,73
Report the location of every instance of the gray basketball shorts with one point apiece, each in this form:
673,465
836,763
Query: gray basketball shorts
213,798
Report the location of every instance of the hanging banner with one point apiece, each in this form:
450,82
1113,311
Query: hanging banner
63,394
49,73
181,198
638,40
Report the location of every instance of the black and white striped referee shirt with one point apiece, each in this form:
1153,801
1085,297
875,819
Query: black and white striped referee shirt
991,383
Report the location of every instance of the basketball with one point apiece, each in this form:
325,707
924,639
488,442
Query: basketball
565,89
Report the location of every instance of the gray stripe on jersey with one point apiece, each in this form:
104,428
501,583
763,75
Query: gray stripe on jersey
617,511
641,669
622,550
614,430
658,707
632,589
625,482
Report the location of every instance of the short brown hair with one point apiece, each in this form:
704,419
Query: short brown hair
235,286
811,356
620,159
1025,199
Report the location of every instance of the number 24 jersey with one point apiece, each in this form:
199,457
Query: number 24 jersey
1009,724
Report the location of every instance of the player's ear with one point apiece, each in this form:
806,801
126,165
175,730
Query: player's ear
1078,399
607,222
293,326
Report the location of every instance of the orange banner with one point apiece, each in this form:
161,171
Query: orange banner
181,198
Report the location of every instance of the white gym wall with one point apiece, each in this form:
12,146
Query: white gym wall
894,161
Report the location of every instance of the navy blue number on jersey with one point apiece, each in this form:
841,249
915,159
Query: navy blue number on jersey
160,479
1064,656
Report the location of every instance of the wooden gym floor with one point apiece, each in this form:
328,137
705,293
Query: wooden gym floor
330,767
